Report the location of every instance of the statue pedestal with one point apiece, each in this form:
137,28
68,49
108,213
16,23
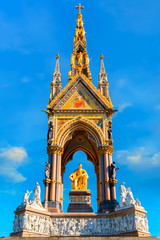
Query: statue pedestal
80,201
39,222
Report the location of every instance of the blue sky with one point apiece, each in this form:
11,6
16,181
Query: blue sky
127,33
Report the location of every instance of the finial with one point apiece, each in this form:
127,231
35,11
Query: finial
80,7
57,57
57,70
102,71
101,57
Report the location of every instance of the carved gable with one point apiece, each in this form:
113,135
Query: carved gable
80,100
79,95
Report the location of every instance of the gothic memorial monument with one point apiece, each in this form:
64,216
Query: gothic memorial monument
80,118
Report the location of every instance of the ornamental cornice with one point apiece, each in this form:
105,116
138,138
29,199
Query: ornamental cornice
55,149
106,149
79,111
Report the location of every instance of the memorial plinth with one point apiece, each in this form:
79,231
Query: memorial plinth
80,201
39,222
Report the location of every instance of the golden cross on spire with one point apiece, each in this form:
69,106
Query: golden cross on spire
80,7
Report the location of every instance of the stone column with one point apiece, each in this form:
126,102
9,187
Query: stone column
106,173
58,178
61,193
106,204
53,177
98,185
46,190
100,179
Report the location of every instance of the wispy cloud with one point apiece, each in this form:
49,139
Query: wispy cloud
8,191
10,160
141,158
123,106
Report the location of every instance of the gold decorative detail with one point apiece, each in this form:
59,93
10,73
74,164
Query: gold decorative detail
54,181
47,180
106,149
69,123
80,199
79,179
101,57
54,149
105,181
80,7
65,89
79,139
113,181
57,57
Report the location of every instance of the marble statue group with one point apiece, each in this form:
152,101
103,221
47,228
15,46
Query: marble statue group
126,198
36,197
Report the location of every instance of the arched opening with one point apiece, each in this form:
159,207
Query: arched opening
80,157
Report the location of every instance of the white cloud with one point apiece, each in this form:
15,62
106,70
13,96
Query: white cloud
10,159
8,191
123,106
141,158
16,154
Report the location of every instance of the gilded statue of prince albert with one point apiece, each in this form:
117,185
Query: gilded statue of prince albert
79,179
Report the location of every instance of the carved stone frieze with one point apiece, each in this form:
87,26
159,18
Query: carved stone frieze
73,226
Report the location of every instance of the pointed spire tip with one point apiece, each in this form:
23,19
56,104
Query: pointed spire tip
101,57
57,57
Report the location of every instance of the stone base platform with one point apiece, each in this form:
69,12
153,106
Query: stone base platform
82,238
32,222
80,201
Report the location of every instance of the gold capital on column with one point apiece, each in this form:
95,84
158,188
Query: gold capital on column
55,149
106,149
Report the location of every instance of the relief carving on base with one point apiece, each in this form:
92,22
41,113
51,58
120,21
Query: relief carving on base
80,226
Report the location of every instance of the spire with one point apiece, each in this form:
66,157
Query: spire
79,57
102,71
57,70
56,84
103,81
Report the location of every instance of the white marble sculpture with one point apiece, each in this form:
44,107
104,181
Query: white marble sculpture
129,197
37,196
123,193
36,203
26,199
80,226
126,198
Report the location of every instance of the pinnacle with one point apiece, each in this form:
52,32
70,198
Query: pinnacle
102,71
57,69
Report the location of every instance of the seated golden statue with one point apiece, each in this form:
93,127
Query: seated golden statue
79,179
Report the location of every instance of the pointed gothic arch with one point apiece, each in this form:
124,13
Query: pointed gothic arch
66,132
